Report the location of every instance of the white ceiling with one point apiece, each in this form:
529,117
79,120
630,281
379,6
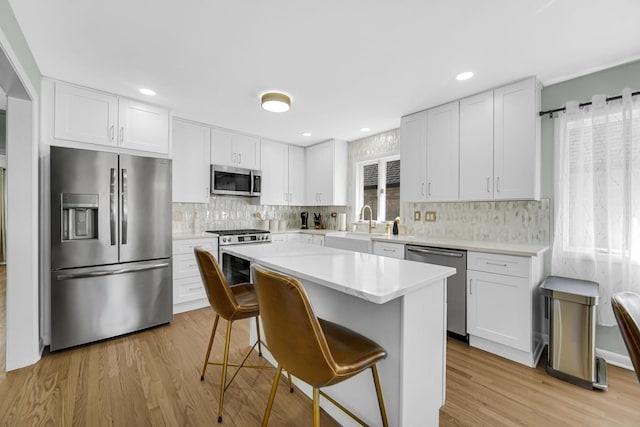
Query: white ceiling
347,64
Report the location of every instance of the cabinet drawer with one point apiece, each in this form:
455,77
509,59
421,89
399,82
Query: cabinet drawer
393,250
185,265
501,264
187,289
186,246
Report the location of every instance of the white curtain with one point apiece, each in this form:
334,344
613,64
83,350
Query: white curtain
597,196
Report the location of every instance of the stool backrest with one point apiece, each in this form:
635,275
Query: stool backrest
220,296
292,330
626,307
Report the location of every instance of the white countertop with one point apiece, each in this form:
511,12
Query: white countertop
371,277
202,235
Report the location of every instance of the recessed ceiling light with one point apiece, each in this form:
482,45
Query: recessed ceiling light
276,102
148,92
306,133
364,129
464,76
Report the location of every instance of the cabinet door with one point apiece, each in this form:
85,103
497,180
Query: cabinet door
442,153
274,173
247,150
222,150
476,147
516,143
319,176
296,175
143,127
85,115
413,153
499,309
190,154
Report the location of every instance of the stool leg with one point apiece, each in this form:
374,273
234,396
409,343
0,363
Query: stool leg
290,382
224,370
376,381
259,339
272,395
206,358
316,407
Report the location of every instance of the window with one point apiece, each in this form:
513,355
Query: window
378,185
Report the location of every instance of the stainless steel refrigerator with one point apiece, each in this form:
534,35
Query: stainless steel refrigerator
110,245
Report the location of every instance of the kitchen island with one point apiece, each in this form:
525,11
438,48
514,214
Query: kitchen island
399,304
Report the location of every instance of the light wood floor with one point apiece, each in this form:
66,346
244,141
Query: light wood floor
3,316
152,378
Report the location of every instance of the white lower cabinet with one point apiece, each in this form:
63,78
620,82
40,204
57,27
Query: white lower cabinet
393,250
188,289
503,305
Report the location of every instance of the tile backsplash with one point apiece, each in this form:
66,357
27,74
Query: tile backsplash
520,221
240,212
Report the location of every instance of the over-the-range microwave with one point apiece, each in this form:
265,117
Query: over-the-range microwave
230,181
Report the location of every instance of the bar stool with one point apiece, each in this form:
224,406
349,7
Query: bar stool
318,352
232,303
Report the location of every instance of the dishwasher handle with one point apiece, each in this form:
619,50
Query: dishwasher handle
435,252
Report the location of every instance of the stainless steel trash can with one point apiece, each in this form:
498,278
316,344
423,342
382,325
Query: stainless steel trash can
572,332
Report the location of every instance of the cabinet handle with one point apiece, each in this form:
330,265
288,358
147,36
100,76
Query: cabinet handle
285,197
499,264
429,189
388,250
206,192
122,134
194,289
233,157
498,184
488,187
290,197
422,189
470,287
239,158
111,132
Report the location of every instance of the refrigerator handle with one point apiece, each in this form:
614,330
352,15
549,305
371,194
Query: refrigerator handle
101,273
124,206
112,206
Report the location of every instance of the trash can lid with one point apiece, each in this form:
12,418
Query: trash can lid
575,290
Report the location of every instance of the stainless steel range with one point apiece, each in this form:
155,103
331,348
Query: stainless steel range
237,270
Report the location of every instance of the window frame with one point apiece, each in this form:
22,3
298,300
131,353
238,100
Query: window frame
358,179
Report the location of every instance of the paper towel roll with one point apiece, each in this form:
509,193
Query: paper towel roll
342,222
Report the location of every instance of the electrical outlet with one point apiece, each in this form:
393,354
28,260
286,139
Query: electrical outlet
430,216
416,215
334,214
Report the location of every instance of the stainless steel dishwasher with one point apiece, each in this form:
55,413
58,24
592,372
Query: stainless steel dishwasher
456,284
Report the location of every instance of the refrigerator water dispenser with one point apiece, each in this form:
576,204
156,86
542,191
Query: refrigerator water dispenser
79,216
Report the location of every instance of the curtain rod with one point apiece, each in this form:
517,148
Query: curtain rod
584,104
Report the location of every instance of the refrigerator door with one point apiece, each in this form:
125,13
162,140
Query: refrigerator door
145,208
94,303
84,208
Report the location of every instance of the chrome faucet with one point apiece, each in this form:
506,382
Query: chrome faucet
370,216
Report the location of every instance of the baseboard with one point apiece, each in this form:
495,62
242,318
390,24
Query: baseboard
190,305
615,359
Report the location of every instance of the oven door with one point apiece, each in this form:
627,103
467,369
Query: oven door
235,269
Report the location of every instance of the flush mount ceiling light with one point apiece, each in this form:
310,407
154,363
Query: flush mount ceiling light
276,102
146,91
364,129
464,76
306,133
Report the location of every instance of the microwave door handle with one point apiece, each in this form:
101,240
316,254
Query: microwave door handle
112,206
125,207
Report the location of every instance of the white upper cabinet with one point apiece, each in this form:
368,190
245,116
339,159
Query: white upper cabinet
297,180
442,153
283,178
476,147
429,155
326,173
235,149
190,153
94,117
516,145
413,156
500,143
275,173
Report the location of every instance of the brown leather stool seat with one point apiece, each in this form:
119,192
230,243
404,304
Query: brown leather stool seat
232,303
319,352
626,307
